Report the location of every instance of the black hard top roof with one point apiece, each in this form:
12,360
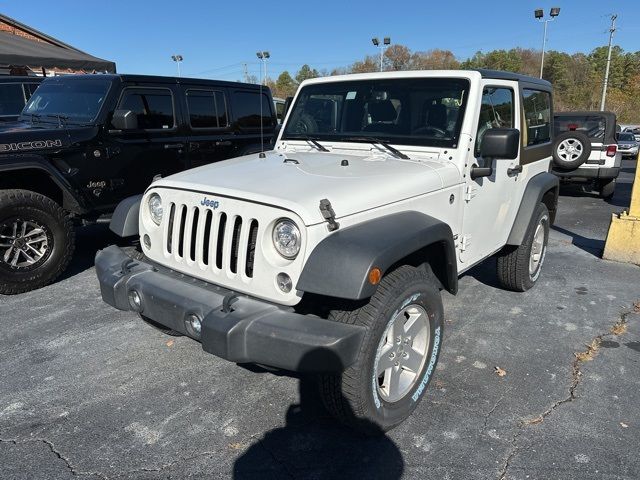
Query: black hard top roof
19,79
126,77
501,75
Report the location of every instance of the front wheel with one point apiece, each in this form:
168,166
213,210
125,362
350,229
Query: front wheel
36,241
519,267
403,322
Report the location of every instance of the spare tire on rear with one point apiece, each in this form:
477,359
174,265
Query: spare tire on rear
570,150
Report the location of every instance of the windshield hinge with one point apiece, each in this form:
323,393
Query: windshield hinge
329,215
464,243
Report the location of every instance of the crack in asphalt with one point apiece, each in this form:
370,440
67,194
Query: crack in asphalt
576,378
53,450
490,412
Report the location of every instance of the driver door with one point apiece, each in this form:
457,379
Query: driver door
491,202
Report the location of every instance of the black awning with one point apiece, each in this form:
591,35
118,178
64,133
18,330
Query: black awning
15,50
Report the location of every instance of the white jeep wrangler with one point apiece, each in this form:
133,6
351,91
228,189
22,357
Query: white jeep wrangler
328,254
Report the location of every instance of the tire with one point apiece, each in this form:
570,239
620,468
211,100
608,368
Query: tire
357,397
160,327
48,252
516,269
570,150
607,188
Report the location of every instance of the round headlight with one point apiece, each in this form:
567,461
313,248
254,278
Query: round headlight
155,208
287,238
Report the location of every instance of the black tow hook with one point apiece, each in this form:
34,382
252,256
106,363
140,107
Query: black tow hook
127,265
229,300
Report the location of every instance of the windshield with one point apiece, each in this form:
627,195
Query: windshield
406,111
77,99
626,137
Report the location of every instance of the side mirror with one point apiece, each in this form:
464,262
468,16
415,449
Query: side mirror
124,120
503,143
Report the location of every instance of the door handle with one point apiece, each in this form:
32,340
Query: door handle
515,170
168,146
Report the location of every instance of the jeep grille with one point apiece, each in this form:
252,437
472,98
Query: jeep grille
214,239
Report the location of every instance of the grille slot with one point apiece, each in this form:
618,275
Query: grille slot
217,241
220,243
251,248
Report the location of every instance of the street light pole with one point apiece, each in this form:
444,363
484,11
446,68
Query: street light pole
177,59
606,73
539,14
386,41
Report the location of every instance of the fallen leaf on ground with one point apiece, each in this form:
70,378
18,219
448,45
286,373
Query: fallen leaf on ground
535,421
439,384
590,352
636,306
619,328
236,446
169,343
500,372
624,425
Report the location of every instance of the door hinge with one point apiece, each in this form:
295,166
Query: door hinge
464,243
469,192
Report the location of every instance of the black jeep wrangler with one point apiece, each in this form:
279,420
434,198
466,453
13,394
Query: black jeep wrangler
85,142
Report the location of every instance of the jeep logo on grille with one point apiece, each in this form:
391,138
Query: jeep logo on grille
210,203
8,147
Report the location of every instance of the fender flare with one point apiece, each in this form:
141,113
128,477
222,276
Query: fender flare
124,221
534,193
339,265
71,201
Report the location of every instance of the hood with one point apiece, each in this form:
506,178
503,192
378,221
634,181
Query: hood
298,181
24,137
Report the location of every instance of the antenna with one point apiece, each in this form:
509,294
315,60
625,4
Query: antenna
246,73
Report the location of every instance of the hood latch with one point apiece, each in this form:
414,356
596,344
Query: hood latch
329,215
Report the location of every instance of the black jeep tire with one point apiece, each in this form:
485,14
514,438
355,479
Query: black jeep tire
570,150
517,268
47,229
160,327
606,188
356,397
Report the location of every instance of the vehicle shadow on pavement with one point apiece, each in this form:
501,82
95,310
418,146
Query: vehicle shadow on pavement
590,245
89,240
620,198
312,444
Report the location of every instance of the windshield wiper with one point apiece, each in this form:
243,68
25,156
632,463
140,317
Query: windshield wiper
309,139
377,141
62,119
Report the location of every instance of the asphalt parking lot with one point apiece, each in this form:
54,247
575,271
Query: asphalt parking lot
88,391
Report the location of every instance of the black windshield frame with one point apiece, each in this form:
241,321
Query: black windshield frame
409,96
96,86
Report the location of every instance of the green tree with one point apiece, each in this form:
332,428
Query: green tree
305,73
284,86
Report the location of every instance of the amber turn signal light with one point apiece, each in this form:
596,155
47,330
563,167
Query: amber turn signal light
375,275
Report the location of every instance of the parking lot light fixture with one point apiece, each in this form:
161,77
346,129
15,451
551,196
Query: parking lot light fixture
386,41
539,15
177,59
263,55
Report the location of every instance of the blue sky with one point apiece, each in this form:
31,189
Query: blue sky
216,37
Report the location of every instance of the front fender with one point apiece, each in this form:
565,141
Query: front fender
124,221
339,265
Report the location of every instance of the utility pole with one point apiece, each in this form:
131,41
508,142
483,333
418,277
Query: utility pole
246,73
606,72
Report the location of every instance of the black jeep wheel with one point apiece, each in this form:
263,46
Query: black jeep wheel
403,322
519,267
570,150
36,241
606,188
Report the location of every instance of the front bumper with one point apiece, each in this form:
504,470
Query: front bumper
603,173
235,327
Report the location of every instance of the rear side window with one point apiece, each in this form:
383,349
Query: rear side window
29,88
247,109
11,99
537,115
593,126
207,108
153,107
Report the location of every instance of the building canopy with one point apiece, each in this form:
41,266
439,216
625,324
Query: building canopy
19,51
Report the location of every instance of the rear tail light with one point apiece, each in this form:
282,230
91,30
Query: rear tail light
611,150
